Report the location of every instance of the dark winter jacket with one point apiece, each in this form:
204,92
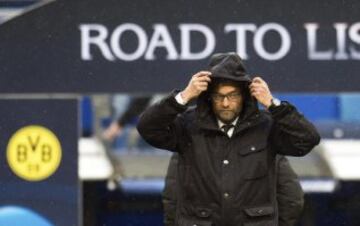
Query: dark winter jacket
169,195
240,191
289,194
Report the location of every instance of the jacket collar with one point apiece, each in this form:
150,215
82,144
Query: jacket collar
221,124
206,119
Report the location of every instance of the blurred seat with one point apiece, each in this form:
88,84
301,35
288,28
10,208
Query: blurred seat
349,105
314,106
338,129
94,163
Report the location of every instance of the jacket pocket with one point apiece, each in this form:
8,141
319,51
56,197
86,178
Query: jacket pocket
253,148
194,222
253,159
260,216
203,212
260,211
202,216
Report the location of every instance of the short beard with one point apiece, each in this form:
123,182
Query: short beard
227,120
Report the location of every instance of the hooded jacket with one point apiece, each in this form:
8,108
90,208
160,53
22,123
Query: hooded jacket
289,194
222,180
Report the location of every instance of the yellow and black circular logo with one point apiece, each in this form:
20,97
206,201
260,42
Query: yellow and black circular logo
34,153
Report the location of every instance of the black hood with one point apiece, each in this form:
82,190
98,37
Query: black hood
226,66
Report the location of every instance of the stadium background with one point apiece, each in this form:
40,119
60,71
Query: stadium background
43,56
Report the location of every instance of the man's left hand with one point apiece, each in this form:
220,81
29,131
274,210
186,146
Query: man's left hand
260,90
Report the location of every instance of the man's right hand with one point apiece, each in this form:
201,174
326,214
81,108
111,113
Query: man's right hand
198,84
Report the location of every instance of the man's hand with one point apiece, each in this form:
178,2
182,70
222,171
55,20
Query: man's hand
260,90
112,131
198,84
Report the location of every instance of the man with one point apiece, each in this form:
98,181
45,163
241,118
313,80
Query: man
289,195
227,147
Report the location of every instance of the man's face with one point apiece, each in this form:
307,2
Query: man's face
227,102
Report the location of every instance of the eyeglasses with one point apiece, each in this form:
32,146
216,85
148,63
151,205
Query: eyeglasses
217,97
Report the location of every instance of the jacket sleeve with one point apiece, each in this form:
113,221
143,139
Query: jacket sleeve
290,195
292,134
160,125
